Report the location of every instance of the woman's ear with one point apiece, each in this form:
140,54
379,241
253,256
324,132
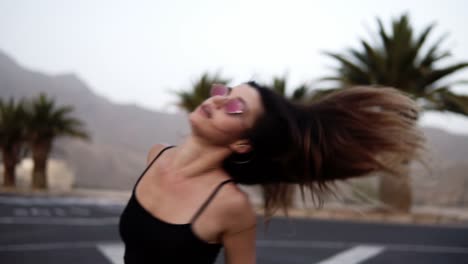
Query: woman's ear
241,146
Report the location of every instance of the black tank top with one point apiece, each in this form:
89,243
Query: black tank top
150,240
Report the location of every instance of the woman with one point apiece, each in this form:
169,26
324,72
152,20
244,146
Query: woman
185,206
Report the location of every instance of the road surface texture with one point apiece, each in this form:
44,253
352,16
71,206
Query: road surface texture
79,230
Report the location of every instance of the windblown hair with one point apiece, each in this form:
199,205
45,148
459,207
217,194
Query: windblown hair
348,133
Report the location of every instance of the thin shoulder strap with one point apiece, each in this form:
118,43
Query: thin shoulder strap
208,200
147,168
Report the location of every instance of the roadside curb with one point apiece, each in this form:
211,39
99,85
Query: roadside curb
110,195
418,215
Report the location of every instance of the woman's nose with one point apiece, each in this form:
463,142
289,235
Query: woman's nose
218,100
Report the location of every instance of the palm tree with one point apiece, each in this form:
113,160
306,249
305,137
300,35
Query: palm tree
302,93
12,132
299,94
398,59
45,122
200,90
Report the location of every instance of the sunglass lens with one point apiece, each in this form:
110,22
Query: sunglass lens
234,106
218,89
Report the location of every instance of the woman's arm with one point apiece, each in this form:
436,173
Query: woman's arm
239,237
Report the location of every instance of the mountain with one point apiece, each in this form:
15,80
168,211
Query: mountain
122,135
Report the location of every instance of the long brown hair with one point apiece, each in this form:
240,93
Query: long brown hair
349,133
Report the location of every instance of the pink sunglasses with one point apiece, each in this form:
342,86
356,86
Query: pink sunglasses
233,106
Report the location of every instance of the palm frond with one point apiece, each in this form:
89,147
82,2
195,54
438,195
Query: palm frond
190,99
399,60
46,121
449,101
436,75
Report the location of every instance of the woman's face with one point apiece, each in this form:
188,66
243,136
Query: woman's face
224,118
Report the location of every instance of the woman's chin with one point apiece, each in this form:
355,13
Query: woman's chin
197,115
195,120
193,116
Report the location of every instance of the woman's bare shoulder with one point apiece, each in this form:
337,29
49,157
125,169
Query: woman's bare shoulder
238,210
154,151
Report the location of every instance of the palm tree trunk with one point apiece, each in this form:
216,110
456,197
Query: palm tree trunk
9,164
395,190
40,153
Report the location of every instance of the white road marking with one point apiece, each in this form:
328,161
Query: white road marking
260,243
79,211
60,221
39,211
114,252
36,212
60,201
343,245
60,212
354,255
20,212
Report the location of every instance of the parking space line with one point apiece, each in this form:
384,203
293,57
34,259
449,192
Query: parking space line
354,255
338,245
259,243
114,252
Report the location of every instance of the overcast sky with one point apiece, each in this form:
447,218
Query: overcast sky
137,51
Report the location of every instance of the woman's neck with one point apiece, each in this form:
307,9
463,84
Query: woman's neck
193,157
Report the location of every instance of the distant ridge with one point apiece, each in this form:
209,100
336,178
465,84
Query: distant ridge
122,135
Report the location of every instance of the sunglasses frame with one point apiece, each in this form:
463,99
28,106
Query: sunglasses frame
230,101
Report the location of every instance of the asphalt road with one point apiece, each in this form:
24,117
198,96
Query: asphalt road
72,230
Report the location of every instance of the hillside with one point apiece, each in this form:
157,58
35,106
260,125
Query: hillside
122,134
